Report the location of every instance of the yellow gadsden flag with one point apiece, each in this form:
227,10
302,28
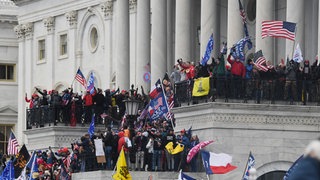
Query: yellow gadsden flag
201,87
122,172
176,150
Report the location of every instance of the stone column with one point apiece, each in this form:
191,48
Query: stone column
72,20
133,41
107,9
21,123
170,35
29,58
266,12
318,33
50,53
209,25
143,42
235,26
183,30
122,49
158,39
295,14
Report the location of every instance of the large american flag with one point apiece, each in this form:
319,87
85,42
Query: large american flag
260,61
12,145
80,78
281,29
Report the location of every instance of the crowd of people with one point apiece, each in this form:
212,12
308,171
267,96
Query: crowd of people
232,79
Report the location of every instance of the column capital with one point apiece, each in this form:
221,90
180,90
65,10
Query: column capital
72,17
107,8
133,6
19,30
28,29
49,24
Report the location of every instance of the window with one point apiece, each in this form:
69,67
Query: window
63,44
7,72
272,175
42,49
93,39
4,136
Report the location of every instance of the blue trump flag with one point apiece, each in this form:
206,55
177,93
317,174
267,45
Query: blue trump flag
238,49
183,176
34,165
91,127
244,21
158,106
90,86
209,48
250,164
8,172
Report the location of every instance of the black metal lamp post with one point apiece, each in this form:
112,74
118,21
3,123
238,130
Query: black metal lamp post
132,106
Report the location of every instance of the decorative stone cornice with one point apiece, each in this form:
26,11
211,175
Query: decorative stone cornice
72,17
107,8
19,31
28,29
49,24
133,6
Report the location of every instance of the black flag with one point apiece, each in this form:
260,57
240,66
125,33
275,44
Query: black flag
21,161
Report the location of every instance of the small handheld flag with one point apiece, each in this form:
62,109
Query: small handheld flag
90,86
250,164
80,78
207,54
91,127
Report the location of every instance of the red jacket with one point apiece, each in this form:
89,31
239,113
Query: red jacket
88,101
190,71
237,68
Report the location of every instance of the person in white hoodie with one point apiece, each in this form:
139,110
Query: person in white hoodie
149,146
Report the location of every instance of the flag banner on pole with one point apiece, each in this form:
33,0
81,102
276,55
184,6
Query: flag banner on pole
80,78
201,87
21,161
12,145
122,172
217,163
207,54
34,170
292,168
91,127
297,55
237,51
158,106
250,164
280,29
244,21
183,176
179,148
90,86
260,61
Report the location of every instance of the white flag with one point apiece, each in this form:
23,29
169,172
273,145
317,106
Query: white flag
297,55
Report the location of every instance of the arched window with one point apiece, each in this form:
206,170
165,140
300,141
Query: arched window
272,175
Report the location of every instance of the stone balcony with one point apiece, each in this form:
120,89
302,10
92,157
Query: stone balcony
275,134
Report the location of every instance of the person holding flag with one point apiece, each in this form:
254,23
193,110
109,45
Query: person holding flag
238,72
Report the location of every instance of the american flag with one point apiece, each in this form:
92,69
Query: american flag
281,29
244,21
242,13
12,145
260,61
170,114
80,78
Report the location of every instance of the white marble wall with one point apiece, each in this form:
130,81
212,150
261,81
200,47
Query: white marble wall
276,135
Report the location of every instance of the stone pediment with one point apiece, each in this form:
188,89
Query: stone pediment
8,110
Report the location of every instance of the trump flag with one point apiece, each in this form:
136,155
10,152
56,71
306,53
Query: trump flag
158,106
217,163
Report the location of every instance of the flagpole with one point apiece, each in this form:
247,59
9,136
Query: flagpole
246,166
165,98
74,78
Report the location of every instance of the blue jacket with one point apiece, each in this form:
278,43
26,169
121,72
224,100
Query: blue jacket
307,169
